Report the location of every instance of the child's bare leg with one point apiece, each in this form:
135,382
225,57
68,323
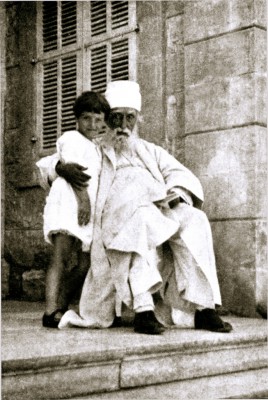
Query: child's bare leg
75,279
62,248
83,265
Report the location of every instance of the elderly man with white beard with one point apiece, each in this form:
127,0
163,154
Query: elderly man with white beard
146,198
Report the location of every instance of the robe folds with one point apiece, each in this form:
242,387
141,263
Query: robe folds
130,226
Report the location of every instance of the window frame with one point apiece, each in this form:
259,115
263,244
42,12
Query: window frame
82,48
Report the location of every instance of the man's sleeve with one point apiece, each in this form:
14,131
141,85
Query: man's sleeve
47,171
179,179
181,193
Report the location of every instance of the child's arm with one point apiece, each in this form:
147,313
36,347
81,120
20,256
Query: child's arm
73,174
70,149
84,206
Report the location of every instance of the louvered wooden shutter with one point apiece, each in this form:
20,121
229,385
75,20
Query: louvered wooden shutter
120,60
60,73
50,25
68,22
68,93
50,104
72,59
109,60
119,14
99,68
98,17
116,68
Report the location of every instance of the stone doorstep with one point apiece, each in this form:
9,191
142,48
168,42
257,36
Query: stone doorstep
143,355
81,374
250,384
82,379
40,363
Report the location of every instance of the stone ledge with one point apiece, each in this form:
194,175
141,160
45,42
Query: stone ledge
151,369
241,385
142,352
40,363
85,373
61,383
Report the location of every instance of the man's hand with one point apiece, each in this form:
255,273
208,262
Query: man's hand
73,174
175,202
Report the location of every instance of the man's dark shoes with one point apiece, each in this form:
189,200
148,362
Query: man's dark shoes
146,322
209,320
52,320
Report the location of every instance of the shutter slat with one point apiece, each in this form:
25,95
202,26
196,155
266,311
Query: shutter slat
119,14
53,111
120,62
50,108
98,17
99,68
68,92
50,10
68,22
97,5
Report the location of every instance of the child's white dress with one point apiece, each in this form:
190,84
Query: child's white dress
61,209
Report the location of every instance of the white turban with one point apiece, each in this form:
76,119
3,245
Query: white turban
123,94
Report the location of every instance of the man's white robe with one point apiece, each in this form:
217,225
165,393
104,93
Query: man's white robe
185,276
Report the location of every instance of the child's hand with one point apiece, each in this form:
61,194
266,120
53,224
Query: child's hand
84,211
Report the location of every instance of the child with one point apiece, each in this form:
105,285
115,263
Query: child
69,212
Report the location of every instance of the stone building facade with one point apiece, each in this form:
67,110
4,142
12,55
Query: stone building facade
201,66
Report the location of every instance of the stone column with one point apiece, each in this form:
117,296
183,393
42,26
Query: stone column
225,119
150,51
4,264
174,79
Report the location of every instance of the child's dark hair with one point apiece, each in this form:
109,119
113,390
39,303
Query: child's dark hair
91,102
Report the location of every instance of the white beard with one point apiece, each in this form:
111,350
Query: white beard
124,144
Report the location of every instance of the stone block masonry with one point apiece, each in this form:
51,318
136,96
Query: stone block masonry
225,144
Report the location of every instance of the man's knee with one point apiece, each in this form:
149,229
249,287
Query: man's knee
189,217
187,212
199,215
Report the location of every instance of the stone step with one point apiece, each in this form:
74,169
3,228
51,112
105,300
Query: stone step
252,384
39,363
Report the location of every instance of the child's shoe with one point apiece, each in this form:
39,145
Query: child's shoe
52,320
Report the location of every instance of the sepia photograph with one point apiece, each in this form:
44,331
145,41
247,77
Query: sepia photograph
133,199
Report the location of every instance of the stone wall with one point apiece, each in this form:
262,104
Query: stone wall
4,264
24,248
225,119
161,73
